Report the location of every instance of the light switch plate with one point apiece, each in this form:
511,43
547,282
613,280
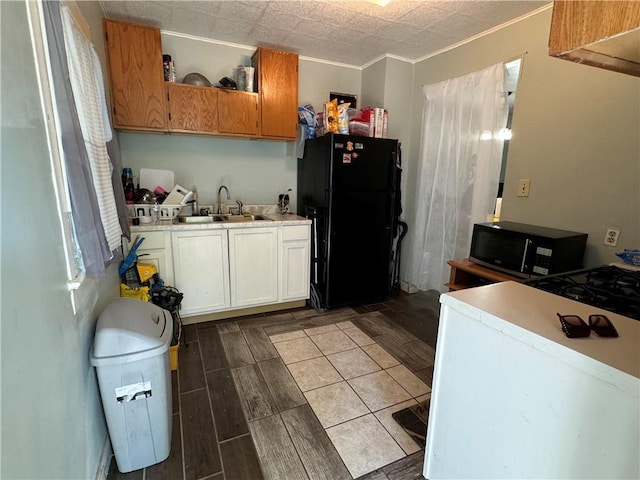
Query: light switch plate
524,185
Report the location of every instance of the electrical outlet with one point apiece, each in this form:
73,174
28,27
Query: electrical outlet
611,238
524,185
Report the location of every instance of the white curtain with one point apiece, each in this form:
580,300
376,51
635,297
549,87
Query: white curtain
458,171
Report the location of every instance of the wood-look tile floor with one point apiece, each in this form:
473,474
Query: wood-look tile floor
241,407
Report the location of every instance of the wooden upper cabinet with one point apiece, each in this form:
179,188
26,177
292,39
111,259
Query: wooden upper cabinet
192,109
277,83
238,112
137,76
604,34
143,101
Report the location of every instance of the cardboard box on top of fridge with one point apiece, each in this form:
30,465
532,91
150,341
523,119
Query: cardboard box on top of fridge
380,123
371,122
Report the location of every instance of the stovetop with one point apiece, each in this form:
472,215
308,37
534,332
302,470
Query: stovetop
610,288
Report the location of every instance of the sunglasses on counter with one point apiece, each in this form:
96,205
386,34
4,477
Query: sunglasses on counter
574,327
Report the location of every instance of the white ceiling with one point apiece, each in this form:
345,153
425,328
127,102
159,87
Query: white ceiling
343,31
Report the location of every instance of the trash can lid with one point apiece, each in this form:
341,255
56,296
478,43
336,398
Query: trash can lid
129,329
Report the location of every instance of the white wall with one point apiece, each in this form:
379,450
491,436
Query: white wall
575,135
388,83
254,171
52,420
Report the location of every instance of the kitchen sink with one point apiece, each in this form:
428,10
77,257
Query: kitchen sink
248,218
223,218
203,219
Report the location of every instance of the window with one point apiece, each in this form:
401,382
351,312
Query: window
80,165
75,268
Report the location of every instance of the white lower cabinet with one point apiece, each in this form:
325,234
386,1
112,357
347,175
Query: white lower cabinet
201,270
253,266
156,250
224,269
294,263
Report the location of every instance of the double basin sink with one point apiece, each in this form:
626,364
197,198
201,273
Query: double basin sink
223,218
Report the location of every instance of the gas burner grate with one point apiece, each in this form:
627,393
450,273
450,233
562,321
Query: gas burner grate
581,293
610,288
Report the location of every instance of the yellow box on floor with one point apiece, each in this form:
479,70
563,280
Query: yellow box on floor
173,356
173,351
141,293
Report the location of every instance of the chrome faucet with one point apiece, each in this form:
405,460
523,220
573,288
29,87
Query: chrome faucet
228,196
240,205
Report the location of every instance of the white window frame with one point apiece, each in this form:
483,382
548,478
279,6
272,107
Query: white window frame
73,256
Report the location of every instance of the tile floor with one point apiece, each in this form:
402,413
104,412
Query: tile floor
352,394
301,395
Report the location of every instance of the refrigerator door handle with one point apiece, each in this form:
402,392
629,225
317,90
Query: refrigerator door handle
312,214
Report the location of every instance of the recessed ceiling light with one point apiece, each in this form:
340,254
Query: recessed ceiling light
380,3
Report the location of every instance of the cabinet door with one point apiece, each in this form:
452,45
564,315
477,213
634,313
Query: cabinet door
192,108
238,112
161,260
278,89
156,250
601,34
201,270
295,262
137,76
253,262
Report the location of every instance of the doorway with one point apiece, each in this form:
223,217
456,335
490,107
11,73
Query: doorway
511,76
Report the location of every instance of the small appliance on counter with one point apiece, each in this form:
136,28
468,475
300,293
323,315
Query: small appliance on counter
526,250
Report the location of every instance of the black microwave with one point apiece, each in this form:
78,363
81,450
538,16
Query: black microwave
526,250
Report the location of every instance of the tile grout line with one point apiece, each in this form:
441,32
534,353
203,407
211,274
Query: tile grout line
213,418
184,468
294,443
325,432
244,413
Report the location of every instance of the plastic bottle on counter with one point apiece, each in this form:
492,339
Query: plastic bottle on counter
127,185
195,208
155,213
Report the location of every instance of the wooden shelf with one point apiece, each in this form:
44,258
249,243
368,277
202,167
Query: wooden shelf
466,274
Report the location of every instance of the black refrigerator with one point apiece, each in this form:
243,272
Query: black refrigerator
349,187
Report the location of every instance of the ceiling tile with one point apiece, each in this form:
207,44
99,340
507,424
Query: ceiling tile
347,31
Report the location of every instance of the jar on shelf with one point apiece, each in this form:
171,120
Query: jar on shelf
169,68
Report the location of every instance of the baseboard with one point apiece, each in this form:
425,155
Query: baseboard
241,312
408,287
104,462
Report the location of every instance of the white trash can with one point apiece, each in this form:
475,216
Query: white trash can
131,356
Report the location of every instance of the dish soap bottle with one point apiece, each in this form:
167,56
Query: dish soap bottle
195,208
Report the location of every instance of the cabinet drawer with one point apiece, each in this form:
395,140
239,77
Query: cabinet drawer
295,232
152,240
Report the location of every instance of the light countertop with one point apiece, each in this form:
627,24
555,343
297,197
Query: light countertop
174,225
529,314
